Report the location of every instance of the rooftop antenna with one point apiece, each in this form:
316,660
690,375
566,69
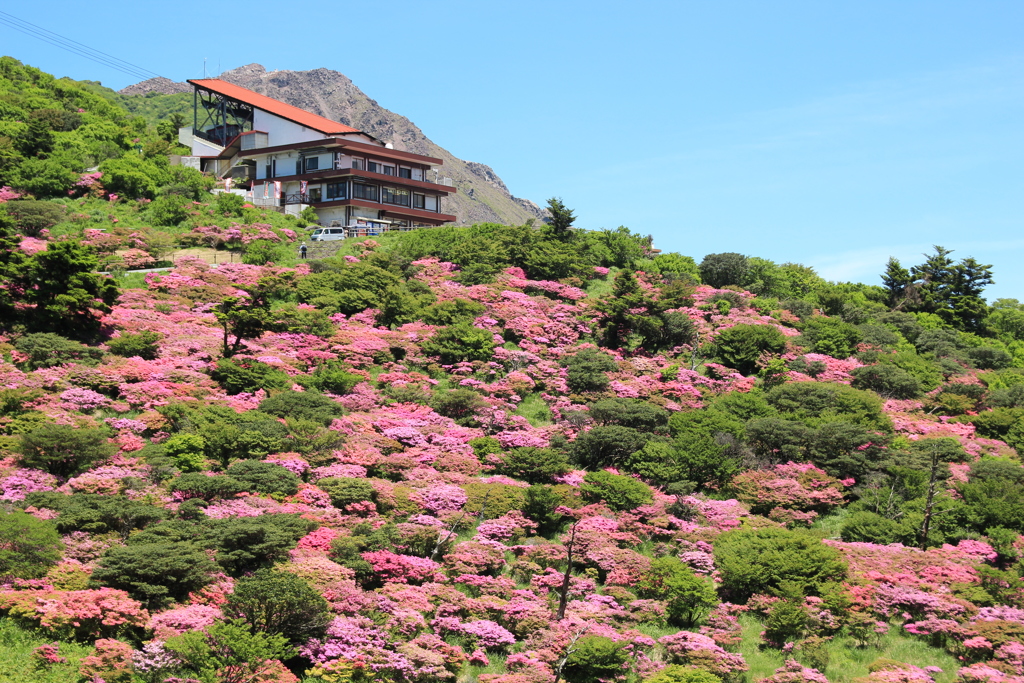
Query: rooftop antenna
204,67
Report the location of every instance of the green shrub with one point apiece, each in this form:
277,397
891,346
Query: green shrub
101,514
533,465
887,380
587,370
47,350
595,658
771,560
831,336
462,405
868,527
198,485
144,344
493,500
245,544
302,405
721,270
630,412
264,477
688,597
677,673
816,402
452,312
63,450
607,446
186,452
231,652
249,376
332,379
28,546
155,574
617,491
346,490
461,342
279,603
741,346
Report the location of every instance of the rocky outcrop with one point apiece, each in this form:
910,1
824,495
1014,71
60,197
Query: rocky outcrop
161,85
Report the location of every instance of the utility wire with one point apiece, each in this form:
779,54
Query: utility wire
75,47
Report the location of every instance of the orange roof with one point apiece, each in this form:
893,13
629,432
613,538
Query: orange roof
275,107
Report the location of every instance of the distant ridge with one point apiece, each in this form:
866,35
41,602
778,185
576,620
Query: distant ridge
161,85
482,196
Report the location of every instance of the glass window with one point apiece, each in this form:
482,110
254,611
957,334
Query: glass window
405,173
361,191
395,195
389,170
373,167
337,190
418,201
312,163
314,195
357,164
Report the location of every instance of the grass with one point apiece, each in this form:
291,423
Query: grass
535,410
16,666
846,660
598,287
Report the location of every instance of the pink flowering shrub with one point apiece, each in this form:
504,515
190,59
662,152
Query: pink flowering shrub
183,620
703,652
80,613
111,662
395,568
791,486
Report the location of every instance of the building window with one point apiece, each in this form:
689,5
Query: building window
388,170
405,173
373,167
361,191
314,195
419,201
357,164
431,204
337,190
395,195
312,164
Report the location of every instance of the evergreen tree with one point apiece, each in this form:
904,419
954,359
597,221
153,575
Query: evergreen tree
561,217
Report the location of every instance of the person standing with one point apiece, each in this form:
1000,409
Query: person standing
302,250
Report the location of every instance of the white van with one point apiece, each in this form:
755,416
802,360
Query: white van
327,234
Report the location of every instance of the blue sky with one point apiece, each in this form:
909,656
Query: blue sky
826,133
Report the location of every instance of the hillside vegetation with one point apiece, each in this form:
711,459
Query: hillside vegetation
505,454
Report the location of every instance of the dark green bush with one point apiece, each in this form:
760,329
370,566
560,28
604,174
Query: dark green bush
617,491
264,477
887,380
630,412
462,405
245,544
607,446
155,574
461,342
46,350
101,514
279,603
453,312
773,561
302,405
688,597
198,485
720,270
868,527
595,658
587,370
533,465
63,450
144,344
28,546
332,379
831,336
249,376
741,346
346,490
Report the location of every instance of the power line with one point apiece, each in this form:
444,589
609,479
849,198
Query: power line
75,47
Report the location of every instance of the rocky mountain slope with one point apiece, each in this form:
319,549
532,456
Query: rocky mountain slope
482,196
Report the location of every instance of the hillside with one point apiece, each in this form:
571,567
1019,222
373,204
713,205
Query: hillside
482,196
484,454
